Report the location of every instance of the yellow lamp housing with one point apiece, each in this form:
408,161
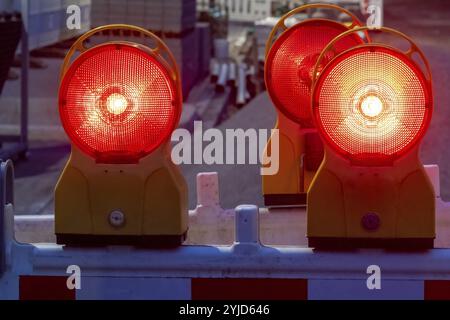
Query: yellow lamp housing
119,102
372,105
291,53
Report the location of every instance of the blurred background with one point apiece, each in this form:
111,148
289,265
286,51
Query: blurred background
219,47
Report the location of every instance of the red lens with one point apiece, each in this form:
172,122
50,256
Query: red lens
118,103
291,60
372,104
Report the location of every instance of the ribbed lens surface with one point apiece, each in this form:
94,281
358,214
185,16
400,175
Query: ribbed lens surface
290,64
118,103
372,104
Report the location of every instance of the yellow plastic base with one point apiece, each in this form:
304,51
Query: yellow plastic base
152,195
288,187
400,197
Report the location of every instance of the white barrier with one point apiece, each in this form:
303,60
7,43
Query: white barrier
181,273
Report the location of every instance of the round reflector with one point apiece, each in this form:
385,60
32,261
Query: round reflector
372,104
291,60
118,103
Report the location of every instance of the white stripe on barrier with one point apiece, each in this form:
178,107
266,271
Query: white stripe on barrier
120,288
319,289
9,286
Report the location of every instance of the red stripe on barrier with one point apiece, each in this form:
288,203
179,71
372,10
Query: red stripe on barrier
44,288
437,290
249,289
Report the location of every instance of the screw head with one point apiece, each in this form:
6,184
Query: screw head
117,218
370,221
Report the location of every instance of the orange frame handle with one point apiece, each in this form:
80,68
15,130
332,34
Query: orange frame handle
412,49
281,23
160,49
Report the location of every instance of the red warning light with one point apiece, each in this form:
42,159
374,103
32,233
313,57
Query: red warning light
372,104
291,60
118,102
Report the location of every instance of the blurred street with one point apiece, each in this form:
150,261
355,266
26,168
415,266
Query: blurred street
427,22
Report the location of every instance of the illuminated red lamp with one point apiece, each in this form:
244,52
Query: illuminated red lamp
372,105
118,103
291,54
290,63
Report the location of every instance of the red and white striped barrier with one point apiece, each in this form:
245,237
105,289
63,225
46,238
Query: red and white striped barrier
244,270
119,288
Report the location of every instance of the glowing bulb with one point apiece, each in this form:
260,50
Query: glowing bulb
116,103
371,106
